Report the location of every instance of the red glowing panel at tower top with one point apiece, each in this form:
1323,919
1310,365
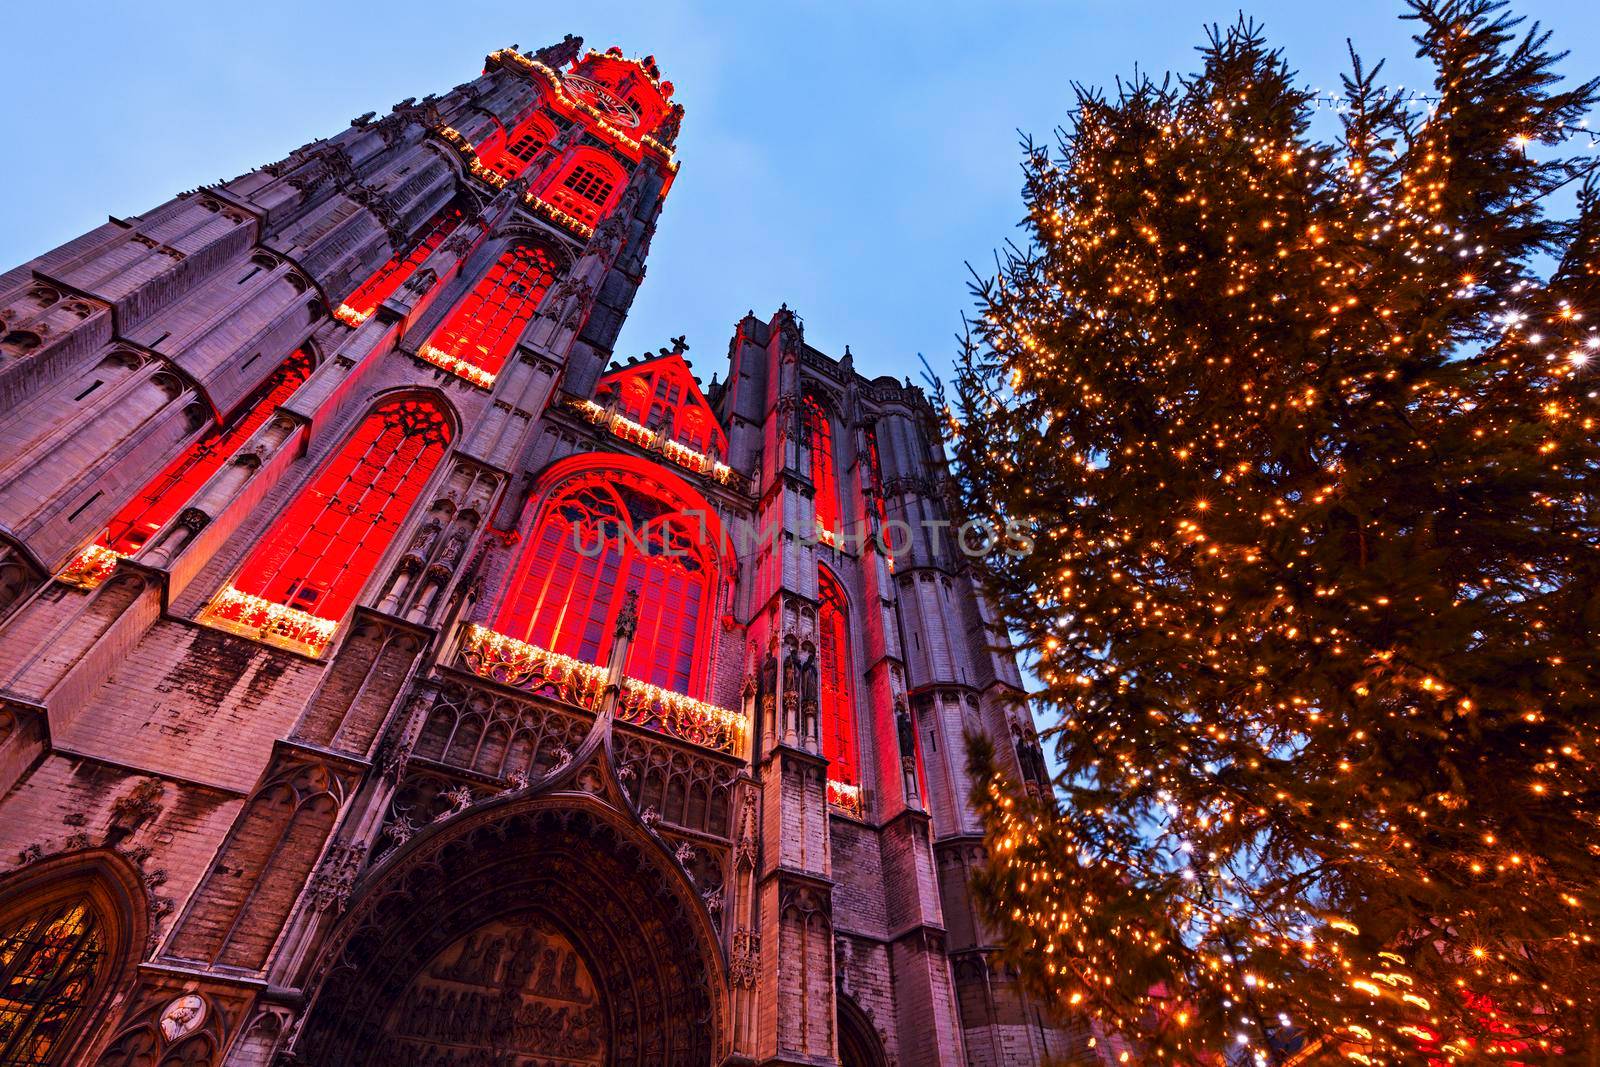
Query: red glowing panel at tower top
484,327
837,694
323,548
170,491
661,393
522,145
588,188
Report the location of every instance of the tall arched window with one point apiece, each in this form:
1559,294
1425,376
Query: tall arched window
522,144
476,337
393,274
318,555
50,963
819,434
838,694
589,187
597,535
168,492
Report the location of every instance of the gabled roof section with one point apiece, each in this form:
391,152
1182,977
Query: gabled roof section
660,392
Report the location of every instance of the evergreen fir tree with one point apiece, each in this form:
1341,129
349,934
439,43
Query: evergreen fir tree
1305,432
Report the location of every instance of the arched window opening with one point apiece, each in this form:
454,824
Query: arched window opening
819,435
597,536
837,691
875,476
50,963
171,490
313,562
475,339
523,144
360,305
588,189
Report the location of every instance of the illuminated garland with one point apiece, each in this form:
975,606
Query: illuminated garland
682,716
90,567
681,454
506,660
457,366
846,798
349,315
262,620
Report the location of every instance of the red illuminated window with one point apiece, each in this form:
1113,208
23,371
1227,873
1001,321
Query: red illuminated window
586,191
819,432
662,394
837,694
170,491
522,146
483,327
389,277
321,550
593,187
599,535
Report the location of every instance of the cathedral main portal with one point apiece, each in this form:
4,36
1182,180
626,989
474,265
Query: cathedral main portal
530,932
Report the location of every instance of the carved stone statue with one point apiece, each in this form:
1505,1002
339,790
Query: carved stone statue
767,688
671,124
906,733
425,537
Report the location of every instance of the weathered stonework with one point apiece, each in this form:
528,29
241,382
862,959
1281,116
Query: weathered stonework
391,834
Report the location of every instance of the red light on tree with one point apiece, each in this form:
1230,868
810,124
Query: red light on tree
837,694
599,535
483,327
393,274
168,492
819,433
320,552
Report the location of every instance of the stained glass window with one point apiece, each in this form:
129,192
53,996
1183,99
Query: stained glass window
588,188
819,433
837,695
662,395
170,491
597,537
522,145
49,962
489,321
318,555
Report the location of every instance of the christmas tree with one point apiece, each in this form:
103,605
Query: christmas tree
1302,421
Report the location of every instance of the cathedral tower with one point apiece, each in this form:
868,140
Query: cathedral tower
388,675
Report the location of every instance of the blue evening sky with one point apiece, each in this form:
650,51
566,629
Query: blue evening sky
847,158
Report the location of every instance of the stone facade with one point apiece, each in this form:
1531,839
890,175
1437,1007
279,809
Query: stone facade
279,827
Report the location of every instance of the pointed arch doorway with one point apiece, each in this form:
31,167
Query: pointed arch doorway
530,929
859,1044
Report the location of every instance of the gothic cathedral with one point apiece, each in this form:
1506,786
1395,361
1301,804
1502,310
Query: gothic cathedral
388,677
